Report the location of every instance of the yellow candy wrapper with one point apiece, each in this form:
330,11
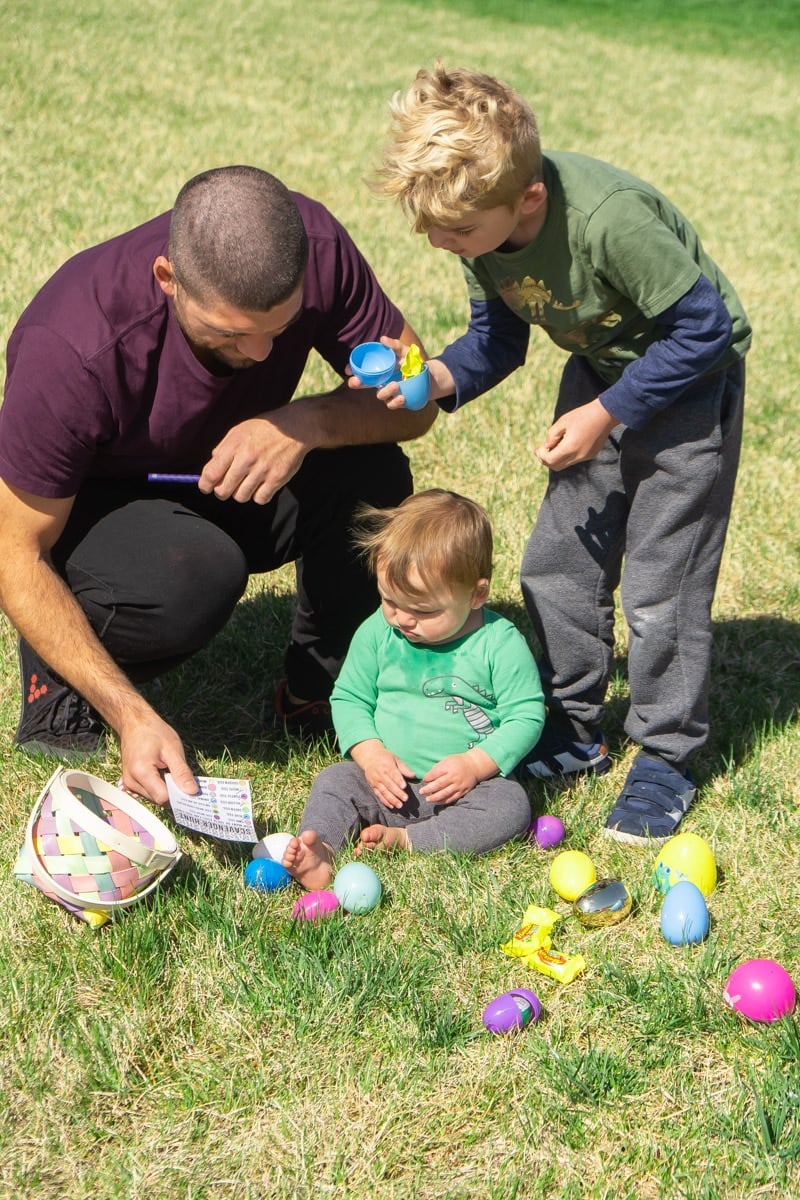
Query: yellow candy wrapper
563,967
412,364
533,933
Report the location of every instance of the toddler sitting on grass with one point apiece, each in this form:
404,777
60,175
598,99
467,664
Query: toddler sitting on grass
437,702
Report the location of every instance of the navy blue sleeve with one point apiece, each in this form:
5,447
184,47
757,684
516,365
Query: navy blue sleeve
494,345
697,331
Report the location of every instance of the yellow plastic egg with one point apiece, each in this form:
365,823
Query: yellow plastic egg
686,856
571,873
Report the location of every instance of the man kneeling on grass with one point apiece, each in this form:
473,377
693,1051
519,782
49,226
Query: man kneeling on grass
437,702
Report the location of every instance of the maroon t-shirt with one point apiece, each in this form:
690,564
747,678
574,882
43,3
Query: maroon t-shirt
101,382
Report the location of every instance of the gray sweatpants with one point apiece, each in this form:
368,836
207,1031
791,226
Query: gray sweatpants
659,500
341,803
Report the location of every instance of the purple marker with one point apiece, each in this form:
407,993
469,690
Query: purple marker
161,477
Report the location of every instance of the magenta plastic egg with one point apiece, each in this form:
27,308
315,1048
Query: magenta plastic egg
266,875
684,914
512,1010
547,831
315,905
761,990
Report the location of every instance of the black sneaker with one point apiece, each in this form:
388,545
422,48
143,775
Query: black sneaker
654,800
55,720
555,757
307,721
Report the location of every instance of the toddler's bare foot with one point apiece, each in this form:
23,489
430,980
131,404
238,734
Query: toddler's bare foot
309,860
382,837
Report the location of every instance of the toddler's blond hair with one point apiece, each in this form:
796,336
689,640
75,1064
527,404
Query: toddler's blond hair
460,141
442,536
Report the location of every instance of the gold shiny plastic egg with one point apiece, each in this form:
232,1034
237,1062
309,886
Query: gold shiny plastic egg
604,903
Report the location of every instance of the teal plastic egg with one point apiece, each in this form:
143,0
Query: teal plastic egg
357,887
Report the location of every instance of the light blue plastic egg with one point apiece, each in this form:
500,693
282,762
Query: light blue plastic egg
684,914
357,887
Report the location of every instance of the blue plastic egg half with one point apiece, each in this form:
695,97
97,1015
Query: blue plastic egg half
266,875
684,914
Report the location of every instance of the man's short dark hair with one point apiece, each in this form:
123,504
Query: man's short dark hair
237,235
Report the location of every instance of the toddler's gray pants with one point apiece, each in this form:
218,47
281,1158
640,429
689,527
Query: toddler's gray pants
341,803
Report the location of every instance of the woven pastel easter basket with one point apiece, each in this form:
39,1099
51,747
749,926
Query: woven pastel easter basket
92,848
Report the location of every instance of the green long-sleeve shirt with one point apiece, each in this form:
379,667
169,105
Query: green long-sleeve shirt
424,702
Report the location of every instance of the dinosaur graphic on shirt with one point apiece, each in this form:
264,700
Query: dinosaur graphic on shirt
461,697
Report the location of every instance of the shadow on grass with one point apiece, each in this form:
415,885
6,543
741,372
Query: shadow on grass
755,685
755,682
221,700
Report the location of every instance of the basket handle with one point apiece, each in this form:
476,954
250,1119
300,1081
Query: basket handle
163,861
61,787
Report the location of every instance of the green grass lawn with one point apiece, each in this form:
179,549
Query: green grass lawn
205,1046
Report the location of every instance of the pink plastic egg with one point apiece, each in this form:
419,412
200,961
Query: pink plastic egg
315,905
547,831
761,990
512,1010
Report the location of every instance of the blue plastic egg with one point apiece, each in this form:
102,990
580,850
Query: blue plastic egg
416,389
357,887
266,875
374,364
684,914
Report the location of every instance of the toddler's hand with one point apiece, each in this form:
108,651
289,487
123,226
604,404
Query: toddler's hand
385,773
449,780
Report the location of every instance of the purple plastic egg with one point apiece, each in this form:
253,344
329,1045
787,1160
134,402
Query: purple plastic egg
315,905
547,831
761,990
512,1010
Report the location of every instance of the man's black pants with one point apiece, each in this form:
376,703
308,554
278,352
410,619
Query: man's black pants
158,569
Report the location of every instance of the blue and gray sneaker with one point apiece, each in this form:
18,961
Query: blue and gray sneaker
555,756
654,800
